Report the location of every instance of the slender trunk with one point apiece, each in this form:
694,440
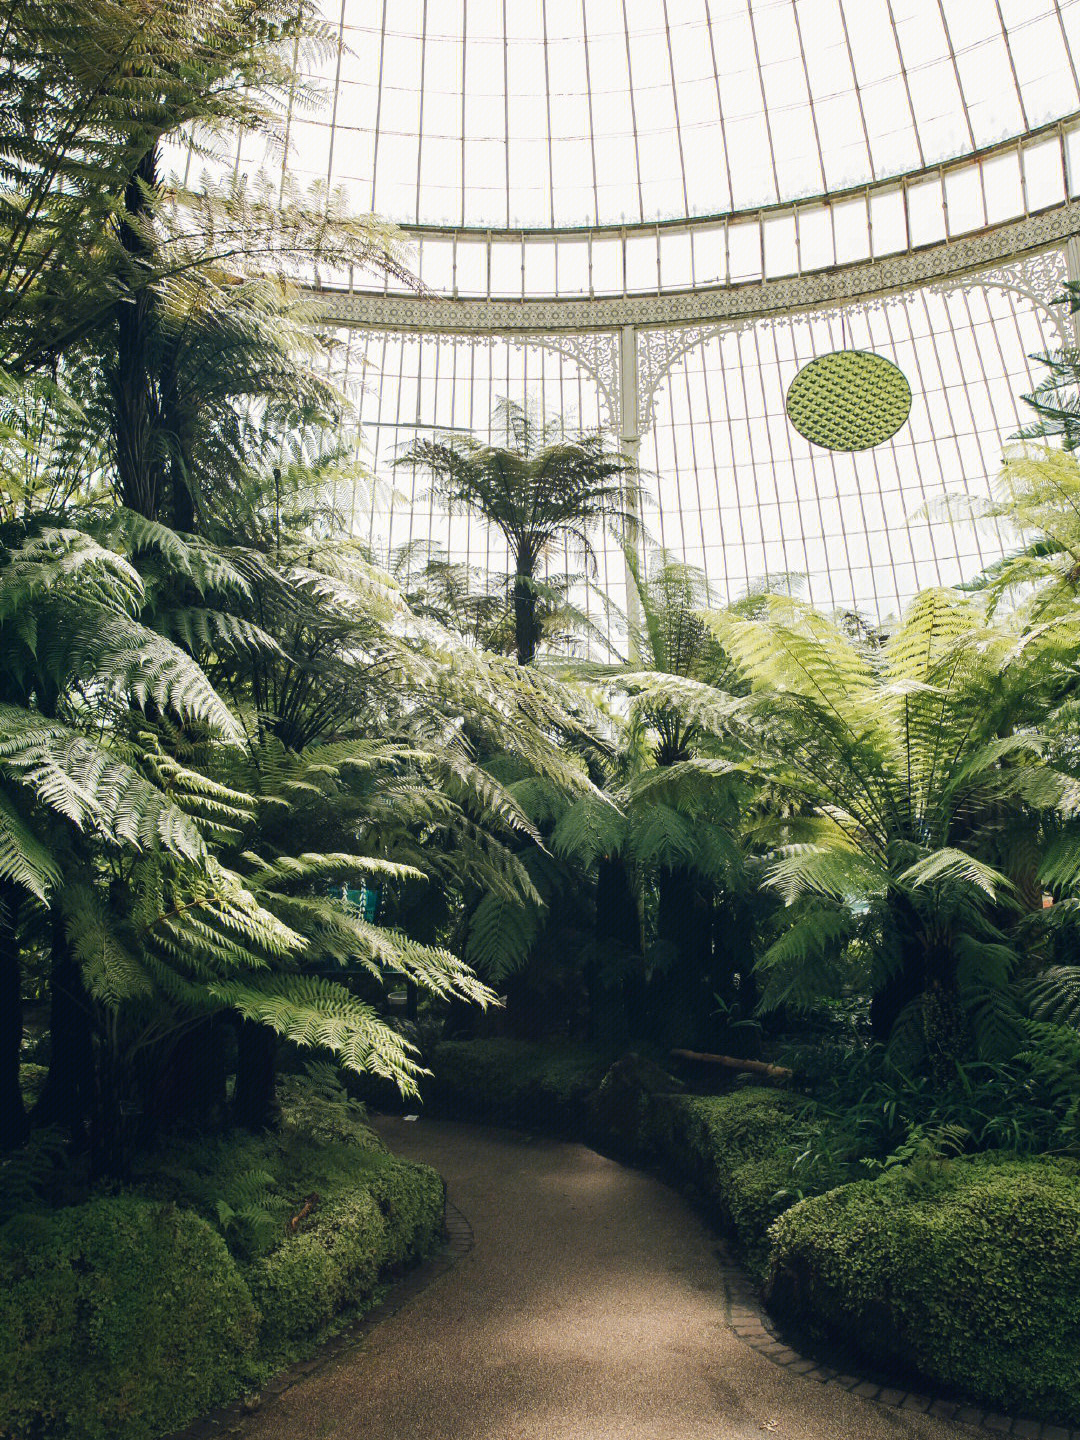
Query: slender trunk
733,978
13,1121
254,1098
182,515
67,1098
526,629
907,979
616,983
136,406
682,927
189,1086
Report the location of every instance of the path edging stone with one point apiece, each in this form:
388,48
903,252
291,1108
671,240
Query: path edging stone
750,1322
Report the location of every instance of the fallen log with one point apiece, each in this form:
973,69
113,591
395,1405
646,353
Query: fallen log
732,1062
305,1210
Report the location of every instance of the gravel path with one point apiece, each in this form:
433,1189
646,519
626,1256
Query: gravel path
591,1308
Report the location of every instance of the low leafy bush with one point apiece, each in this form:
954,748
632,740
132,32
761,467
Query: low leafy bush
737,1152
121,1316
514,1082
317,1104
374,1214
965,1272
126,1317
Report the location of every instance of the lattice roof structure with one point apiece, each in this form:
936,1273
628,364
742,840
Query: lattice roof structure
649,215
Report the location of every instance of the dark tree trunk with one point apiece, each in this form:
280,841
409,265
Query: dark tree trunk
682,927
13,1122
733,979
255,1099
183,502
526,628
909,976
616,981
68,1096
137,428
190,1087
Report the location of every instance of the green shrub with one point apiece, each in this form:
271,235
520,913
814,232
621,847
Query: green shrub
515,1082
736,1151
32,1081
118,1317
316,1104
308,1279
412,1199
966,1273
373,1211
127,1317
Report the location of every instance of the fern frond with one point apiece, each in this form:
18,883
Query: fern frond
501,934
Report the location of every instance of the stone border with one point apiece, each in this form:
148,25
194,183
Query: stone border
746,1316
229,1420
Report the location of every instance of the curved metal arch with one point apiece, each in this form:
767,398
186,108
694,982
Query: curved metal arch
1002,245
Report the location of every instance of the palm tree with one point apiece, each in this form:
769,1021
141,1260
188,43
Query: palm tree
542,488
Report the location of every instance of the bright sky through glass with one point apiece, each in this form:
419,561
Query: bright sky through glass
545,113
504,116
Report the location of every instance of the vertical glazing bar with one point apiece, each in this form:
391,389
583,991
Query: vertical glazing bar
630,442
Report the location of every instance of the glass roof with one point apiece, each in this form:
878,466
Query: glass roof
556,113
732,488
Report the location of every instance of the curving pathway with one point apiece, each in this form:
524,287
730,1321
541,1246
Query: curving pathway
591,1308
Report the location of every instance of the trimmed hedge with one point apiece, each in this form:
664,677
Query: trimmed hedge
118,1317
736,1151
514,1082
967,1274
392,1210
128,1316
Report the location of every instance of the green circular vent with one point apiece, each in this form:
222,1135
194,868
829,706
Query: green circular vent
848,400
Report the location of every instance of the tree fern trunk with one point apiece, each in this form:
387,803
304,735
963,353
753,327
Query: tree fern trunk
137,430
616,1007
526,636
189,1086
67,1097
254,1098
682,927
13,1121
907,979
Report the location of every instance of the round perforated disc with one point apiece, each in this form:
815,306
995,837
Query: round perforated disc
848,400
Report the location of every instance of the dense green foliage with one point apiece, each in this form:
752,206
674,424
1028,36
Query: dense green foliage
118,1317
128,1315
264,791
964,1272
736,1151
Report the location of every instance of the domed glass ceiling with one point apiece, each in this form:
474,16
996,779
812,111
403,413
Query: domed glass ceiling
612,169
562,113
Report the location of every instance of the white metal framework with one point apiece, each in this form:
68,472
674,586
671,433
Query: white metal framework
646,215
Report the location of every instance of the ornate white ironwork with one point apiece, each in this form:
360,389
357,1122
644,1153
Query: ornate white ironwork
1005,245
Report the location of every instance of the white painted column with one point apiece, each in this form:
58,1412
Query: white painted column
630,441
1072,267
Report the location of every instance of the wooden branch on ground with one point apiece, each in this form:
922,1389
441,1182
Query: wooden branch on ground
308,1206
732,1062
